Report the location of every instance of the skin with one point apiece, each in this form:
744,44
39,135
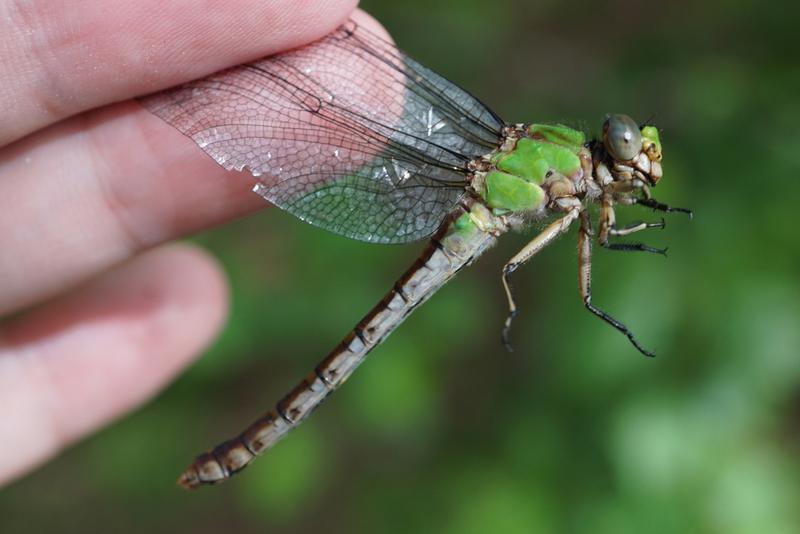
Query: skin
99,312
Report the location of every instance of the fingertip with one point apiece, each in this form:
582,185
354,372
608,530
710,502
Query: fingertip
75,364
188,280
371,23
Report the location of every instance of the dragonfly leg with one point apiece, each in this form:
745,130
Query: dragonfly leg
608,228
636,227
544,238
585,282
647,200
650,202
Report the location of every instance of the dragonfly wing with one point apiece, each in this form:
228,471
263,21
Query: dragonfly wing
347,133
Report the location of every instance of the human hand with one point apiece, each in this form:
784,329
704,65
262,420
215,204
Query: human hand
99,313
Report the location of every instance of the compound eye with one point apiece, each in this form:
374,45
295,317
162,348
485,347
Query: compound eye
621,137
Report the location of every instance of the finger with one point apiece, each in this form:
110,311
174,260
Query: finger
95,190
60,58
76,364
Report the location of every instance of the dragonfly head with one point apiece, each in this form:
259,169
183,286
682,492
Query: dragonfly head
632,151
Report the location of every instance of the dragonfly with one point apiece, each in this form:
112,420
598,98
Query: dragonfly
354,136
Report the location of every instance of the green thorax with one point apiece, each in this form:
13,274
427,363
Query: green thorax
544,149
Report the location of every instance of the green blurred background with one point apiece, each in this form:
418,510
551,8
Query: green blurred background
442,430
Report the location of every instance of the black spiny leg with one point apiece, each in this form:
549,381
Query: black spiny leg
636,247
658,206
585,280
609,229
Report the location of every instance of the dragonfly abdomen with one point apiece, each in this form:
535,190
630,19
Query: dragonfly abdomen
455,246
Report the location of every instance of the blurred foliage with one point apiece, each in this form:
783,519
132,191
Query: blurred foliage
442,431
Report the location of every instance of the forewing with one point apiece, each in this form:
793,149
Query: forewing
347,133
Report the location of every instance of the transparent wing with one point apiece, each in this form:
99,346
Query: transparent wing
347,133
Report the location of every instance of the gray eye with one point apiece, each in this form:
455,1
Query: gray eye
621,137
